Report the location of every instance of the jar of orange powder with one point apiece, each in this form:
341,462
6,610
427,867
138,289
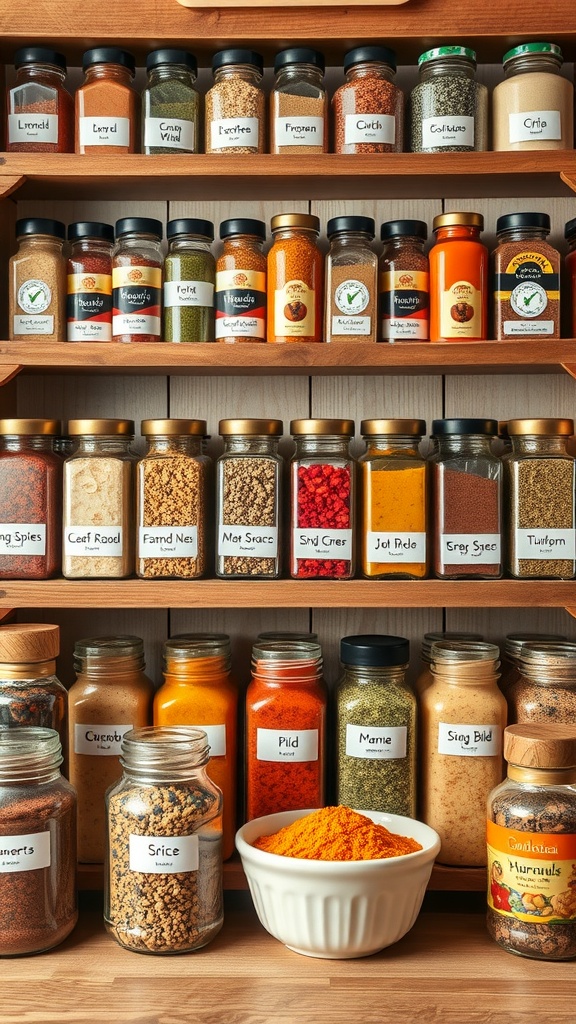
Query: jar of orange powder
458,279
295,279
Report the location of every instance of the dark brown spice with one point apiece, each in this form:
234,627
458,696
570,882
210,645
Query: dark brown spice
470,504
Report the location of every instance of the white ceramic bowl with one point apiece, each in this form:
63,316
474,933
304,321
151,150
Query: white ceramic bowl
337,909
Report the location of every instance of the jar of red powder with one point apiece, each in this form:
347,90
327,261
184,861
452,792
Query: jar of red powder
89,282
322,500
40,115
137,262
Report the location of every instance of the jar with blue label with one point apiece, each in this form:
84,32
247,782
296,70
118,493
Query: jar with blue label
449,108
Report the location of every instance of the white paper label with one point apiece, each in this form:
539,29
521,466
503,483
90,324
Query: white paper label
93,541
369,128
104,131
299,131
389,546
255,541
469,740
240,327
361,325
403,329
134,323
448,131
25,853
468,548
22,538
163,855
376,743
540,327
545,544
169,133
188,293
99,740
89,330
234,131
33,325
322,544
287,745
216,738
535,124
33,128
167,542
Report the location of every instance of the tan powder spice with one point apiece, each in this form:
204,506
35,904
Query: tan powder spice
98,492
284,104
172,493
233,98
37,294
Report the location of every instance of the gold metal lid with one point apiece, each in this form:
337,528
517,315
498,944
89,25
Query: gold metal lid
540,745
321,426
544,426
273,428
28,642
173,427
449,220
125,427
295,220
374,427
50,428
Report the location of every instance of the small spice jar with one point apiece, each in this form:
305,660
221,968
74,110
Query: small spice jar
89,282
30,500
351,271
38,839
531,904
170,103
322,500
404,282
540,477
40,111
526,278
172,500
394,500
189,279
30,692
533,108
248,502
512,652
37,276
458,279
163,869
107,105
448,107
285,728
375,726
295,279
299,103
137,261
544,689
111,695
235,120
240,297
98,508
426,678
570,236
368,108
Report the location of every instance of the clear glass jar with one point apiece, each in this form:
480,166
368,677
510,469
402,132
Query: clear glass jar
467,500
30,500
137,261
533,108
394,500
526,278
458,279
426,678
351,271
570,236
30,691
248,500
299,103
322,500
163,871
98,507
111,695
295,279
448,107
545,687
404,282
375,726
38,839
235,119
170,103
277,634
172,500
368,109
37,276
503,444
531,905
89,282
240,297
189,279
40,111
540,477
107,104
512,651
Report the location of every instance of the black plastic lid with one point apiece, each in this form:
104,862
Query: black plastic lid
365,54
39,55
90,229
393,228
146,225
299,55
243,226
190,226
40,226
108,55
523,220
445,428
225,57
337,224
570,228
172,57
375,650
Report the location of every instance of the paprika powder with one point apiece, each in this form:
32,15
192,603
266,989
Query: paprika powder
107,105
137,262
458,279
295,279
89,282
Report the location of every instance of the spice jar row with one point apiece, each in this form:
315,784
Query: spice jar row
533,108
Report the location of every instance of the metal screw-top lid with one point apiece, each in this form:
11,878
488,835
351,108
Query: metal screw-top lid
190,226
441,52
40,226
322,426
400,228
514,642
141,225
181,57
374,650
108,55
458,220
29,642
299,55
525,49
100,426
295,220
90,229
243,226
173,428
544,426
364,224
30,428
225,58
376,428
449,427
540,745
369,55
540,221
39,55
254,427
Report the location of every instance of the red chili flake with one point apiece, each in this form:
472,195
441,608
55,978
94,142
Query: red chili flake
322,501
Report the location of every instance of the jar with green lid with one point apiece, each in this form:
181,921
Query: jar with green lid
30,691
170,103
429,639
299,103
526,278
512,651
351,272
189,279
235,120
533,108
449,108
544,689
375,726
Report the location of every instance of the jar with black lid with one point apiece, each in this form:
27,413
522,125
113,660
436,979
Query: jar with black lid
40,111
137,261
449,108
235,119
37,282
170,103
89,281
404,282
526,278
570,236
189,277
351,269
299,103
240,295
369,108
107,104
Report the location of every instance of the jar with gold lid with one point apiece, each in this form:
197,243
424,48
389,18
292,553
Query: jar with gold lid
30,691
295,279
459,278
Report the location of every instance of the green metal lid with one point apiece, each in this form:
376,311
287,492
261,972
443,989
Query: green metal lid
526,48
447,51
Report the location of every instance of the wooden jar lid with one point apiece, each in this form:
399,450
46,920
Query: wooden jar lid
26,642
539,745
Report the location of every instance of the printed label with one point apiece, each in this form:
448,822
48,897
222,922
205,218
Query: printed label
322,544
189,293
234,131
447,131
104,131
25,853
351,298
405,305
99,740
167,542
464,548
136,300
287,745
166,855
34,296
376,743
523,327
545,544
95,542
216,738
22,539
89,307
169,133
535,124
255,541
294,307
469,740
240,304
394,546
531,875
528,282
369,128
33,128
357,325
461,311
299,131
33,325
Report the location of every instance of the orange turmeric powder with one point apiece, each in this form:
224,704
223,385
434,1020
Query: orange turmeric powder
336,833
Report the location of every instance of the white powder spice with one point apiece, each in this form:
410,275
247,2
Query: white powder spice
98,518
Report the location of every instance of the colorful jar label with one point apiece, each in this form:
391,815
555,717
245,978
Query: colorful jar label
169,133
93,542
28,852
322,544
438,132
461,311
405,305
390,546
136,300
294,310
167,855
89,307
34,128
531,875
539,125
376,744
240,304
248,541
234,131
545,544
216,735
470,549
469,740
99,740
529,284
287,744
22,539
167,542
104,131
189,293
369,128
299,131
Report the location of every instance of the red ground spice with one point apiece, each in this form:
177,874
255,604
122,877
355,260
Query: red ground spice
322,502
31,492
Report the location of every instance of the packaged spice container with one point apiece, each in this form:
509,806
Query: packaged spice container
375,726
299,103
394,500
98,508
570,235
540,477
295,279
171,500
37,275
512,651
199,690
526,278
40,111
137,280
404,282
544,689
111,695
467,500
531,833
235,120
38,843
89,282
163,869
368,108
322,500
426,678
170,103
533,108
285,728
240,297
351,270
248,489
462,718
107,105
30,500
458,279
189,278
448,107
30,692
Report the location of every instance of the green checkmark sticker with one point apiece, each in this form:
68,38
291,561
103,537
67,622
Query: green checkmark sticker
35,296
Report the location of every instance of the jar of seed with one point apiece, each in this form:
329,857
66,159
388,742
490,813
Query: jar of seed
89,281
544,689
369,108
248,503
540,512
37,274
449,108
240,296
526,278
512,652
404,282
533,108
375,726
295,279
351,270
299,103
235,105
189,278
30,691
137,260
426,678
170,103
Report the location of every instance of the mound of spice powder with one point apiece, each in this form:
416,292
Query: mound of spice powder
336,833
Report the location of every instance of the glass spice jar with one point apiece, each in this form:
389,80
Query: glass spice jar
544,689
351,270
277,634
163,868
368,108
570,236
295,279
40,111
30,691
512,651
248,499
448,107
240,296
426,678
533,108
526,278
107,105
189,279
137,261
322,500
170,103
404,282
37,276
89,282
299,103
235,119
458,279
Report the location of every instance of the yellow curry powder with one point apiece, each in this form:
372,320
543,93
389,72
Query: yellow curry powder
336,833
394,504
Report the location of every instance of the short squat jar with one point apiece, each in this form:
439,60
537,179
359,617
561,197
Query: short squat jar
544,689
137,260
170,103
235,120
30,691
448,107
107,104
533,108
404,282
526,278
189,278
299,103
351,272
40,111
368,108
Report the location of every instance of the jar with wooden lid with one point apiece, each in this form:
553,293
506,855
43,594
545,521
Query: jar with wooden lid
240,295
404,282
30,691
531,833
458,279
107,104
351,271
40,110
533,108
526,278
368,109
235,119
429,639
544,689
37,276
448,107
295,279
299,103
512,651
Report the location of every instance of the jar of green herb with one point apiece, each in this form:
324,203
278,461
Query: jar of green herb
170,103
189,276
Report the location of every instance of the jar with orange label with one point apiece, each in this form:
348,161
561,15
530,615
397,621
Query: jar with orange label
458,279
295,279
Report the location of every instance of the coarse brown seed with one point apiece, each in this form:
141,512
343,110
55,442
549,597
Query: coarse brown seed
541,496
234,97
249,498
173,494
369,94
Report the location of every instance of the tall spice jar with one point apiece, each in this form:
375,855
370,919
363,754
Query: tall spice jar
40,110
235,118
240,296
533,108
448,107
37,276
137,261
526,278
170,103
404,282
89,282
544,689
189,279
295,279
299,103
512,652
368,108
285,728
429,639
30,691
458,279
570,236
351,271
107,105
